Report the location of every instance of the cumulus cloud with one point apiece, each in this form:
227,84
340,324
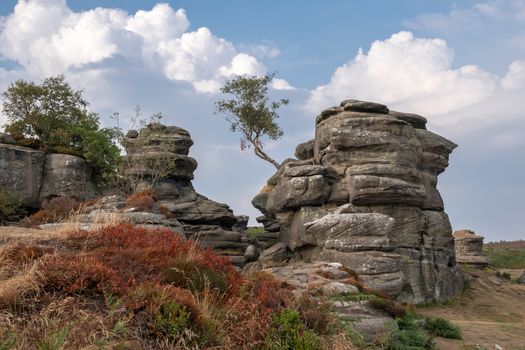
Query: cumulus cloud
408,73
515,77
46,37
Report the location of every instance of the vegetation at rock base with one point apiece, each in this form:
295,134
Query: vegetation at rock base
124,286
440,327
251,112
9,202
54,117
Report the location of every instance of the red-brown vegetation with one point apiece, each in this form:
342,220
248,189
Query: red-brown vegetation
142,200
125,283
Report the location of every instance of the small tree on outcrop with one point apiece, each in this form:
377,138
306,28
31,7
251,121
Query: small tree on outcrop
54,117
251,112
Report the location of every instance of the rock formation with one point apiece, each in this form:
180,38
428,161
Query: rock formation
178,205
363,193
37,176
469,248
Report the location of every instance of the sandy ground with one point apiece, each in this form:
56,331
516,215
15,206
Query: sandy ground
491,312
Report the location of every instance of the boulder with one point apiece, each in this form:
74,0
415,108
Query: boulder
37,176
305,150
66,176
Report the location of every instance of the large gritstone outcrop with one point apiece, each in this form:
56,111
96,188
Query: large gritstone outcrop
363,193
36,176
158,155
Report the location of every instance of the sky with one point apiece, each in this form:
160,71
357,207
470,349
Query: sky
460,64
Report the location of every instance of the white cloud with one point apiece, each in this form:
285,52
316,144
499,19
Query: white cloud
281,84
515,77
406,73
46,37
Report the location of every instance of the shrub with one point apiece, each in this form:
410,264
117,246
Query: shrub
54,210
191,275
142,200
289,332
23,254
166,212
409,339
172,318
79,274
409,335
9,202
442,328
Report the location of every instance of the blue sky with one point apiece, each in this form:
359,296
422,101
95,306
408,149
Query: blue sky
461,64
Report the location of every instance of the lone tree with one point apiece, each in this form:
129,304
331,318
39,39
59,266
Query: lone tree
53,117
251,112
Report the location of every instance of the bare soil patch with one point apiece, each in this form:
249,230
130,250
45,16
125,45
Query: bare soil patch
490,312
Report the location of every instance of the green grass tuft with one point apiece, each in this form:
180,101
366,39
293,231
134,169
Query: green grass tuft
440,327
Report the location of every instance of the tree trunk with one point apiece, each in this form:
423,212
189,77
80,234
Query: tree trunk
261,154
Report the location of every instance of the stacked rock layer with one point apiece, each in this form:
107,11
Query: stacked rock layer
469,248
363,193
200,218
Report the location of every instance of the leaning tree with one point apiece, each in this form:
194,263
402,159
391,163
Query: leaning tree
251,112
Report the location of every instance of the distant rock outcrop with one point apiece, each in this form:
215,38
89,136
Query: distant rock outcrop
469,248
37,176
363,193
178,205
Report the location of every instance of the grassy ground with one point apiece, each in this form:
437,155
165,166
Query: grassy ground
506,255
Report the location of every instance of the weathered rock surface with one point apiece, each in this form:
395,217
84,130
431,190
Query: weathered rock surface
363,193
37,176
333,282
469,248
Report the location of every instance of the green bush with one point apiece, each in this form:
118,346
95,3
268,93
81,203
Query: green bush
191,275
54,117
409,339
172,319
410,335
9,202
440,327
289,332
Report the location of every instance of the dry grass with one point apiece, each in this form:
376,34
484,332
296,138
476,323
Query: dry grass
104,289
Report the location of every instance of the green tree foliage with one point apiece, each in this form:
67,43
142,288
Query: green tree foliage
251,112
54,117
